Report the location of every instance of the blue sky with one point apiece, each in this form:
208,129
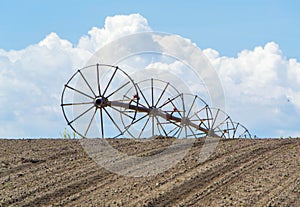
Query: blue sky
227,26
253,45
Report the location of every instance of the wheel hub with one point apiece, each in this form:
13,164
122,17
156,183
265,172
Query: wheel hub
101,102
185,121
153,111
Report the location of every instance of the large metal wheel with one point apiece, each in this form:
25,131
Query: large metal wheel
240,131
196,117
158,103
92,97
222,125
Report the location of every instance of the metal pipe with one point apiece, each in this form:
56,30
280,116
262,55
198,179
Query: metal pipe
160,113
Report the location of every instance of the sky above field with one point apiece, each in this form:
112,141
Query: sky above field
253,45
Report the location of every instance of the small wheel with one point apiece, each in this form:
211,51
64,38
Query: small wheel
240,131
222,125
91,98
158,102
196,118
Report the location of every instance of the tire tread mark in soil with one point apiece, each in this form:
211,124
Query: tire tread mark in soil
33,192
58,156
275,192
213,158
29,164
106,177
225,181
152,151
296,200
67,190
85,182
188,187
52,182
149,152
32,169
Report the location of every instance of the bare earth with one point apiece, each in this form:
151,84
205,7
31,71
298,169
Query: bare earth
56,172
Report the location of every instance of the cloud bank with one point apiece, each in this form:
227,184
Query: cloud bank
262,86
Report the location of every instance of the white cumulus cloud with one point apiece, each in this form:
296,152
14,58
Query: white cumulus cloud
262,86
114,27
32,79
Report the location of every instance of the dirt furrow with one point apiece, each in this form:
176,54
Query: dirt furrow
271,198
295,191
239,172
287,183
155,149
59,171
193,185
46,183
55,196
221,183
189,168
39,177
33,156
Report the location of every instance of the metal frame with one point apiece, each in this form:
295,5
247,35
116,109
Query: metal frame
103,96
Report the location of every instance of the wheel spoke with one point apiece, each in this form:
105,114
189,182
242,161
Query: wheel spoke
101,121
175,127
158,122
218,130
215,118
192,131
227,129
116,125
175,107
180,131
81,114
162,93
152,92
144,127
247,132
143,96
197,134
169,100
98,80
201,121
90,122
87,83
191,106
140,119
224,121
223,131
75,104
236,127
82,93
207,116
118,89
110,80
152,126
185,130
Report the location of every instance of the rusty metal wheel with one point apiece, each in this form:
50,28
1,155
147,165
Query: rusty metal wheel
91,100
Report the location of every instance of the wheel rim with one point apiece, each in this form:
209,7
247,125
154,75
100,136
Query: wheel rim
91,100
240,131
196,117
222,125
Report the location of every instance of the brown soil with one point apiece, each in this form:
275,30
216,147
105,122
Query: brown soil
55,172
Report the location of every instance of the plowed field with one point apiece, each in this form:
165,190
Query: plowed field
240,172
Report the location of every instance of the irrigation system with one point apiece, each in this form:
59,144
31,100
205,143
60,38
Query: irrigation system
104,101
